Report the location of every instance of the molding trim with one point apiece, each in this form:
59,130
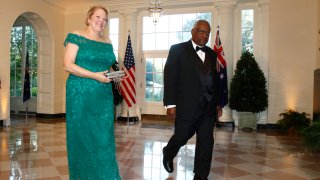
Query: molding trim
61,115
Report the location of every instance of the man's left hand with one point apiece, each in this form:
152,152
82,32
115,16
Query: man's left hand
219,111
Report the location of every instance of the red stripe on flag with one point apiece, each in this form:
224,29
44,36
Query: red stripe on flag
129,92
127,86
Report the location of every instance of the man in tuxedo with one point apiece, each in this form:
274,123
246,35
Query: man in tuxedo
191,96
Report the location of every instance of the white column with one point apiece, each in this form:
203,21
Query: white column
5,72
262,49
130,24
225,10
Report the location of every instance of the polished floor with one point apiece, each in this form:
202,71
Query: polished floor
36,149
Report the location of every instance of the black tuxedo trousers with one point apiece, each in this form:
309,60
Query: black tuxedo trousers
202,124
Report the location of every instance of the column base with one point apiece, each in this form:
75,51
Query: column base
125,119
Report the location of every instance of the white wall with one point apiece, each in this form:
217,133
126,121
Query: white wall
50,65
292,55
318,39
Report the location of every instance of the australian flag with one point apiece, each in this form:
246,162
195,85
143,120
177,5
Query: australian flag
222,70
26,87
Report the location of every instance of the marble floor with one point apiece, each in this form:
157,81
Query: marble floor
35,149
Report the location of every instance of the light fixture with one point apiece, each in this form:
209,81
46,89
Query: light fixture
155,10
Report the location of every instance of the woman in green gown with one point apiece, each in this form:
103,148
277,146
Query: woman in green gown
89,101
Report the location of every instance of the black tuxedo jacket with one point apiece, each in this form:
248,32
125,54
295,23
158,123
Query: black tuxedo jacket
182,79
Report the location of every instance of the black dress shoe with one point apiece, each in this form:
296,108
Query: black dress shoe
168,165
196,177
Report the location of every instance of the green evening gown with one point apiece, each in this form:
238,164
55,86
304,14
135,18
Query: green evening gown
90,115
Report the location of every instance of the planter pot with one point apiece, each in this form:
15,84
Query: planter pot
247,121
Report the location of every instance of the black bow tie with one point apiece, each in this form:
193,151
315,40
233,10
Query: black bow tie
200,48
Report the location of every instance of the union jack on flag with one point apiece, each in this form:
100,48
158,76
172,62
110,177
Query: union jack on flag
222,71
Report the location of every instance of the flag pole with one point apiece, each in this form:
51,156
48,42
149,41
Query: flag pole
27,112
128,119
128,84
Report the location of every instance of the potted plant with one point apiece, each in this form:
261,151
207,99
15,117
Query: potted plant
248,91
311,136
294,121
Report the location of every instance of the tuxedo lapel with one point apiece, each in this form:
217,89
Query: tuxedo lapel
192,57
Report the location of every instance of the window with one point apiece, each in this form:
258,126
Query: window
114,34
23,41
171,29
247,28
154,79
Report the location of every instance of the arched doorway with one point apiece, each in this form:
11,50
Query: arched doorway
42,78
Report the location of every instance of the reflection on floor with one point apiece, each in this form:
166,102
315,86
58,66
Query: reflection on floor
35,149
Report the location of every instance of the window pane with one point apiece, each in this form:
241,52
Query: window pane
149,69
206,16
158,79
18,60
186,36
163,24
18,89
18,76
149,93
158,65
114,26
149,41
114,35
115,41
247,29
157,94
174,38
162,41
12,90
175,23
188,21
148,26
247,18
154,79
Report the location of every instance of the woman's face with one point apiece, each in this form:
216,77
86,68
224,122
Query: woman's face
98,20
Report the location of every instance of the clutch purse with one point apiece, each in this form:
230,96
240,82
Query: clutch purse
115,75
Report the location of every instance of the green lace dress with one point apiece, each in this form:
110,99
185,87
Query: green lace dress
90,115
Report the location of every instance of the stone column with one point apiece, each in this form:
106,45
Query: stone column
129,26
263,48
225,10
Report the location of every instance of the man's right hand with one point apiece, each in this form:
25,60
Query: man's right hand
171,113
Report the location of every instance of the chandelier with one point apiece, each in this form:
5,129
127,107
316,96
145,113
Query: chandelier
155,10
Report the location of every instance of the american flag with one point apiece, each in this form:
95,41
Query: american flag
222,70
127,86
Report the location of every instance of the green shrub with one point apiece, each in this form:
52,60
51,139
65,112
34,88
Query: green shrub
248,90
311,136
293,119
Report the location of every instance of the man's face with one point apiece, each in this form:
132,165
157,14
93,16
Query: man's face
200,33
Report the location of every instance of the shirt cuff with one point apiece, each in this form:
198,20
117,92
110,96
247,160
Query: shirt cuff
170,106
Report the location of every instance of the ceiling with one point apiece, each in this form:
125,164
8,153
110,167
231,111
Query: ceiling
74,5
71,5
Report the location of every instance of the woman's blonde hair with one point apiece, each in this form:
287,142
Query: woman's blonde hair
92,10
